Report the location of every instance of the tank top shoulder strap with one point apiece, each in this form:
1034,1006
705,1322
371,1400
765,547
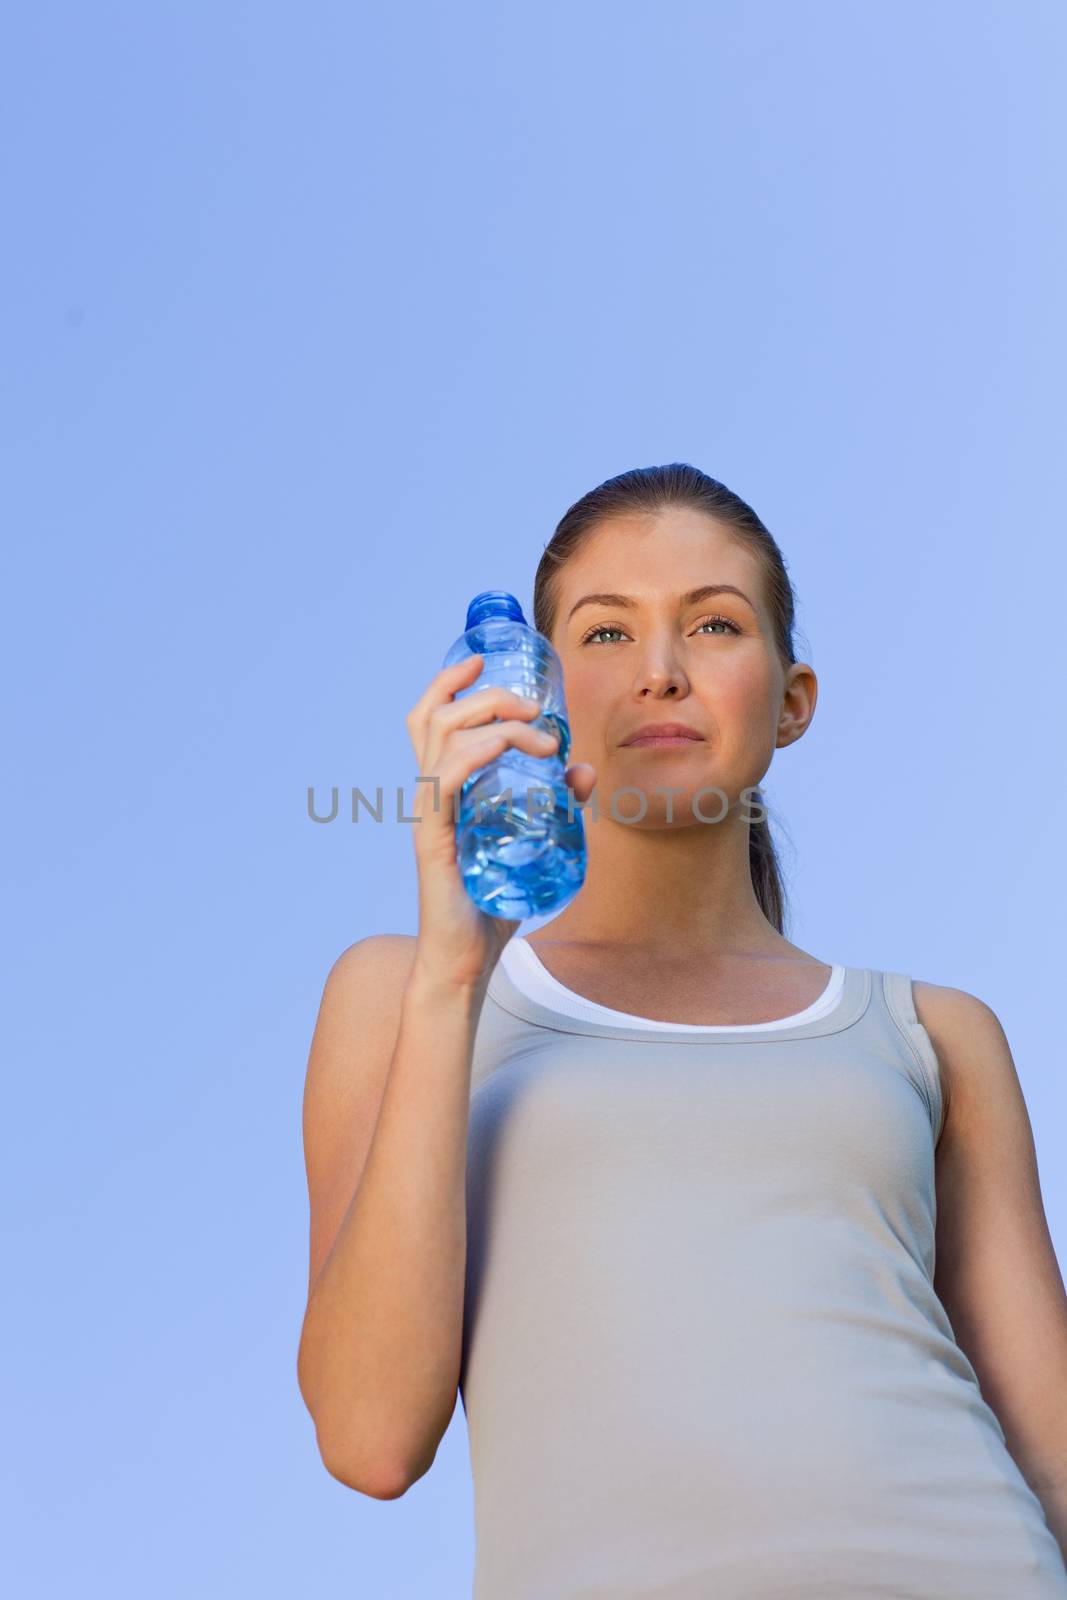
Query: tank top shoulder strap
499,1036
899,1001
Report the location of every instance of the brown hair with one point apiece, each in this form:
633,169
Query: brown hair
652,489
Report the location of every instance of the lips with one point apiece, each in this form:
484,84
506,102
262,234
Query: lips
664,733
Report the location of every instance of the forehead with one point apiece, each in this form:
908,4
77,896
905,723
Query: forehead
658,555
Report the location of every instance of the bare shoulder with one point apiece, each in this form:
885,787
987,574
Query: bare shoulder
968,1039
363,992
383,954
949,1011
358,1019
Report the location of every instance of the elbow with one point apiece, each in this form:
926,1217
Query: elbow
368,1467
378,1484
378,1477
338,1456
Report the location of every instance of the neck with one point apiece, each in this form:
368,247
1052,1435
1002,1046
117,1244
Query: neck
673,890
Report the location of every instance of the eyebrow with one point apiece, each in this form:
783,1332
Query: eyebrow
628,603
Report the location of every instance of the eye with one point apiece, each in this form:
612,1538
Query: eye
726,620
591,636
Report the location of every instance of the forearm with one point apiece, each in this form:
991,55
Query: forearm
381,1342
1053,1497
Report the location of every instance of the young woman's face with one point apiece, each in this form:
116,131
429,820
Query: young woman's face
709,662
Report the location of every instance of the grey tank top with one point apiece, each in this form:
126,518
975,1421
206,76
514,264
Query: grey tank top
703,1358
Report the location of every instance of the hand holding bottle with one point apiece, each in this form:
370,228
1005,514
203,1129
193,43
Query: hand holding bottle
458,943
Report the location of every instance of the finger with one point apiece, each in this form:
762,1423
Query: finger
481,709
582,779
502,735
481,705
436,803
440,691
468,750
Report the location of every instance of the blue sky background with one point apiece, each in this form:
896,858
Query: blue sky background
314,321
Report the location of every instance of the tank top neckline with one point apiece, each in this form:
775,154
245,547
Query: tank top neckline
855,984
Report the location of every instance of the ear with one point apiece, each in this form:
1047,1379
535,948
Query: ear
798,703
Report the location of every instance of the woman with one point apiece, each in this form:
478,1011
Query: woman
658,1192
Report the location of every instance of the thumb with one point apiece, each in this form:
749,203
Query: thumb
581,777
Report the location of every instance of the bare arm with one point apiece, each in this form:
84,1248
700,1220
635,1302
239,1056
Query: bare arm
386,1114
385,1123
997,1274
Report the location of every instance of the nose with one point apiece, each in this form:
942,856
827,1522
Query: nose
657,681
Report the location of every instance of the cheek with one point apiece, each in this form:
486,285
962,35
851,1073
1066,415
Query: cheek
742,689
743,705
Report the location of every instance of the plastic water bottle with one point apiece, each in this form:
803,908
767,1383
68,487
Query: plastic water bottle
520,841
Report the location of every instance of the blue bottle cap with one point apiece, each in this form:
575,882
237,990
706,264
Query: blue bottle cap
493,603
